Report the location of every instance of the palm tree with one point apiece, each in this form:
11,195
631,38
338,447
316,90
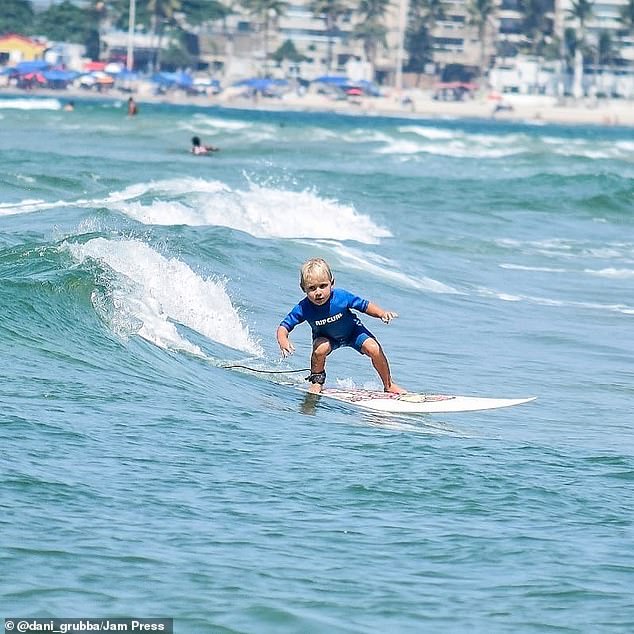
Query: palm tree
580,11
371,29
481,13
266,11
331,11
536,24
423,16
162,13
626,17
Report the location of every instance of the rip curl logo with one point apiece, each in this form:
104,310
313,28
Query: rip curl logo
328,320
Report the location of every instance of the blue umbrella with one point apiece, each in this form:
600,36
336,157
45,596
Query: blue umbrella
31,67
261,83
182,80
126,74
336,80
369,87
59,75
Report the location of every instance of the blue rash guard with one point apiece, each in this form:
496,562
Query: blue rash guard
333,320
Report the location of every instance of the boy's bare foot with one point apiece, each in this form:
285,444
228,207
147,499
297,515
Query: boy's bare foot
314,388
395,389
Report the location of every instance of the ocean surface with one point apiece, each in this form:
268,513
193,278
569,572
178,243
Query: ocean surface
139,477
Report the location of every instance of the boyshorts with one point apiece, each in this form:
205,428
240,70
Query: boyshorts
356,339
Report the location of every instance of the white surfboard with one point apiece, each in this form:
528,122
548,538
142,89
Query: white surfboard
414,403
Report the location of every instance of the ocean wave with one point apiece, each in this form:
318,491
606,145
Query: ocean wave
624,309
148,293
569,249
619,274
30,104
428,133
261,211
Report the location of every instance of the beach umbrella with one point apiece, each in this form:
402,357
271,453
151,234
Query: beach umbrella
335,80
113,68
182,80
93,66
59,75
368,87
38,77
261,83
31,67
127,75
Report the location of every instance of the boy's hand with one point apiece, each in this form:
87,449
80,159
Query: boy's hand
284,342
287,349
388,315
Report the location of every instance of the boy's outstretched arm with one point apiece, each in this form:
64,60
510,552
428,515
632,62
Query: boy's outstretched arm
285,344
385,316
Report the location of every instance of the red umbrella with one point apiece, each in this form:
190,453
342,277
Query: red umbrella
92,66
35,77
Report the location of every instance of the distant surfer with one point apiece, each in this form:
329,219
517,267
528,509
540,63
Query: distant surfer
327,310
199,148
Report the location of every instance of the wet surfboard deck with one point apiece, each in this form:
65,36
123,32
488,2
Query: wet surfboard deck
417,403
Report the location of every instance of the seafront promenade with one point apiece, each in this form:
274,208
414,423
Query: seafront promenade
411,104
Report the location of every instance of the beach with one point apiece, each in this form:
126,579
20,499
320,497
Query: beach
412,104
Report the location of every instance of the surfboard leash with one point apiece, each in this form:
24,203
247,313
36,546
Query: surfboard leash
246,367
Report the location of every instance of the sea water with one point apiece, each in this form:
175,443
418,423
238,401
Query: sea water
142,478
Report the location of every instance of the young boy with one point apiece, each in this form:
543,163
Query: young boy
327,310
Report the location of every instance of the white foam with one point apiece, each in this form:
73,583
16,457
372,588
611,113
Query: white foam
612,273
458,148
546,301
568,249
539,269
263,212
29,205
150,292
216,123
31,104
428,133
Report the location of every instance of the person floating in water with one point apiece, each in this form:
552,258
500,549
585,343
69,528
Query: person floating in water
199,148
69,106
327,310
132,107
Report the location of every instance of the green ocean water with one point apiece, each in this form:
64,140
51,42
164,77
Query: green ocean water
141,478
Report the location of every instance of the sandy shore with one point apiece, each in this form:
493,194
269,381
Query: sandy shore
418,105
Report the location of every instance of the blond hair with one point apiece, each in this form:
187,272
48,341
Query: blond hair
312,267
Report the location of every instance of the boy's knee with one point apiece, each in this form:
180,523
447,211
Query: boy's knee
371,347
322,347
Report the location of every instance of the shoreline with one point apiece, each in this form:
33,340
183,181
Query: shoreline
518,108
